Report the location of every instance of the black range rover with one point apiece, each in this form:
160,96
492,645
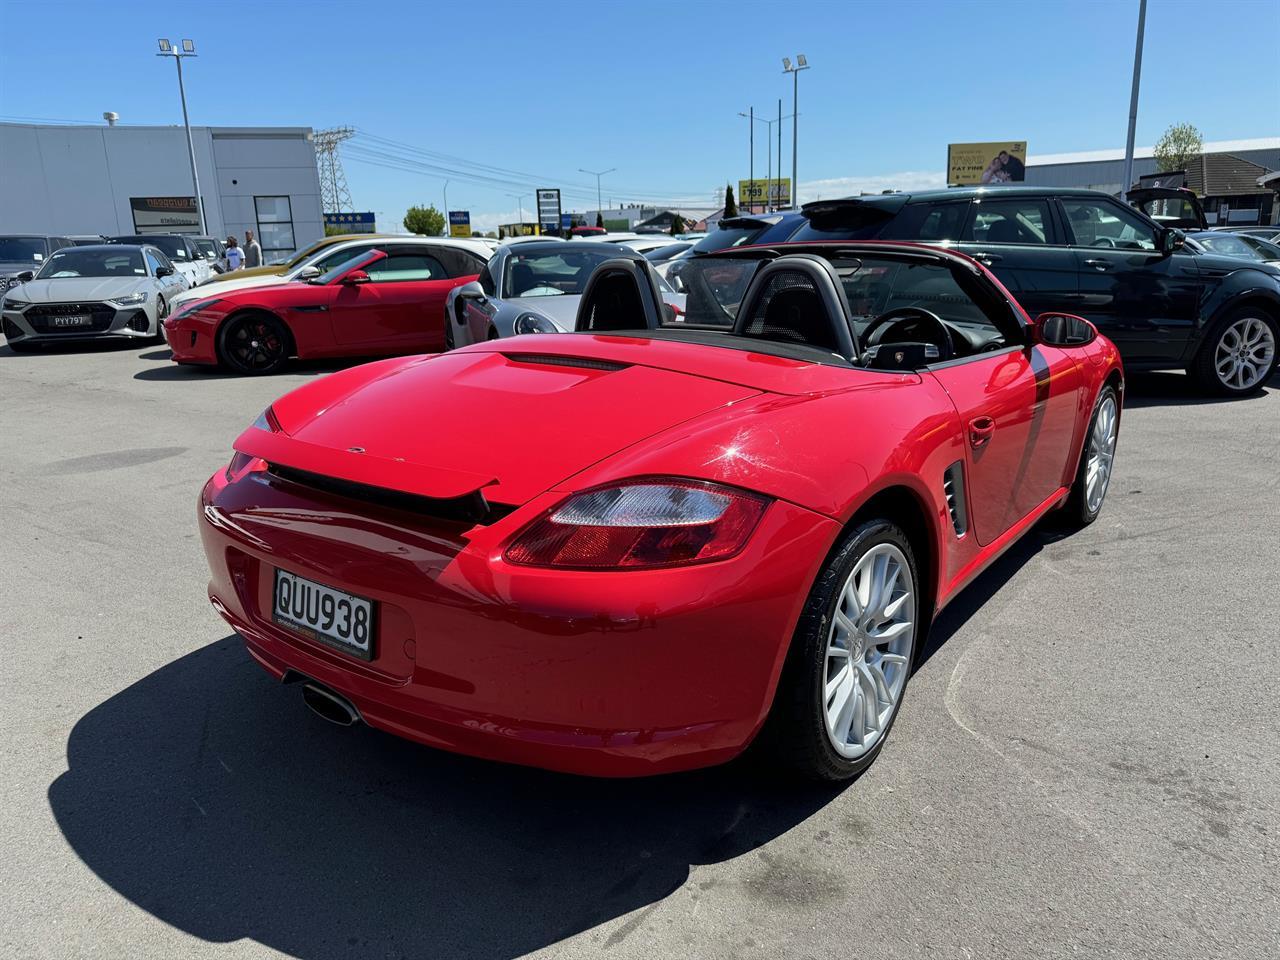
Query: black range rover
1088,253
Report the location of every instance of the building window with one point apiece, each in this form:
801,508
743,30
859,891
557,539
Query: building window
275,228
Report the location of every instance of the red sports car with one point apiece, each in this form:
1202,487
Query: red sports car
641,546
380,302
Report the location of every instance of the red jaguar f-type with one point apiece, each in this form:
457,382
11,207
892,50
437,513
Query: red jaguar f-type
379,302
642,546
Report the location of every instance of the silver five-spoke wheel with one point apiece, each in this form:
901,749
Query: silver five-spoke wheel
1244,353
869,650
1101,453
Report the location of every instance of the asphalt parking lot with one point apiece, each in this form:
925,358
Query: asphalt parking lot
1087,764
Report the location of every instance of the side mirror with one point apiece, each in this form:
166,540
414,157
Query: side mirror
310,273
164,271
355,277
26,276
1171,240
1063,330
472,291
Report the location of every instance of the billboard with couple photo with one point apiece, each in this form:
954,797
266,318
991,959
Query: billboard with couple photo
976,163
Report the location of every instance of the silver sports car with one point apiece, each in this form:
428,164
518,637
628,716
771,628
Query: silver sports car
528,287
110,290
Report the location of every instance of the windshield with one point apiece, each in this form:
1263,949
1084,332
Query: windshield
207,247
93,262
350,263
1177,210
553,274
311,250
733,236
714,289
852,222
1266,249
658,254
1227,245
23,249
172,247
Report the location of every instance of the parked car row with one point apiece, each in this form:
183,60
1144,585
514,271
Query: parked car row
1206,301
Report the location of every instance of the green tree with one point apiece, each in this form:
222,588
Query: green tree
677,224
1180,144
599,219
424,221
730,207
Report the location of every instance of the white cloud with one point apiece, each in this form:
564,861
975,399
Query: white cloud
875,183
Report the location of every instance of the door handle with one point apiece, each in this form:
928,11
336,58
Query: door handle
987,257
1099,264
980,431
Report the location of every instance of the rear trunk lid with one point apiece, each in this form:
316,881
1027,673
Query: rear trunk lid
510,423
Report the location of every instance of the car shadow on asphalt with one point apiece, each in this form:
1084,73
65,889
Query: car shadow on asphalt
171,372
209,796
1173,389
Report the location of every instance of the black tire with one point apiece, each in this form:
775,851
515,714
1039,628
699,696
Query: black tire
253,344
1076,513
1203,367
162,311
795,734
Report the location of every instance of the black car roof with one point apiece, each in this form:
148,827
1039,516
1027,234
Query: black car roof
892,202
892,248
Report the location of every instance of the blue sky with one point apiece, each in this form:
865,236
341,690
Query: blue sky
652,88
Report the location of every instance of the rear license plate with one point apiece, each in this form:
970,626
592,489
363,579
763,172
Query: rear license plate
76,320
321,613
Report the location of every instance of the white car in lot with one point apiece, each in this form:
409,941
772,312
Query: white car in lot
475,252
111,290
183,254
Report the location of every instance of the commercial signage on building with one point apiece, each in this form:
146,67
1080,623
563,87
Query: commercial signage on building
755,195
549,211
974,163
459,223
351,222
165,215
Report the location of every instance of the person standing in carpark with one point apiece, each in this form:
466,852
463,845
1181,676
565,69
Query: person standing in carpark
252,250
235,256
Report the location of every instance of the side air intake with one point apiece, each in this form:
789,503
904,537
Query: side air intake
953,490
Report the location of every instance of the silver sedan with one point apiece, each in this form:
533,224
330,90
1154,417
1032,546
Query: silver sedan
111,290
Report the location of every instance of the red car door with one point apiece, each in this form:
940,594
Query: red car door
1017,403
400,309
1018,409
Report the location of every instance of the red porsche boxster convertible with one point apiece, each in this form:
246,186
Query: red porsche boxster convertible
642,546
379,302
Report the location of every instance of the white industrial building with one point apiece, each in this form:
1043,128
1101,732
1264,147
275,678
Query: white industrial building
69,179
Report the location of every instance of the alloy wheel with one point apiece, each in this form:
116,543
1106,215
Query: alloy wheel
253,344
1101,454
1244,353
869,650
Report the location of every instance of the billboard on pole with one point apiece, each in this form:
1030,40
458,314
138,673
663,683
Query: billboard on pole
459,223
549,211
759,193
994,162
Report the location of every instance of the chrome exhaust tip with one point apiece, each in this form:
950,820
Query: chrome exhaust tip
330,706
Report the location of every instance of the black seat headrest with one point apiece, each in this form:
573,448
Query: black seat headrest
798,299
621,294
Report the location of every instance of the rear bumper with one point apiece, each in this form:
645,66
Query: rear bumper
602,674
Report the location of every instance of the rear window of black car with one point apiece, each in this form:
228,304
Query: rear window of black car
852,222
727,237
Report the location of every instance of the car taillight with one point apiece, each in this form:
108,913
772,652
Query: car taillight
242,464
641,524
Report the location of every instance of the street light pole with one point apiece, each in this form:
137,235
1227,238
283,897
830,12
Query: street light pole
593,173
801,64
167,49
1133,102
751,150
446,209
519,198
